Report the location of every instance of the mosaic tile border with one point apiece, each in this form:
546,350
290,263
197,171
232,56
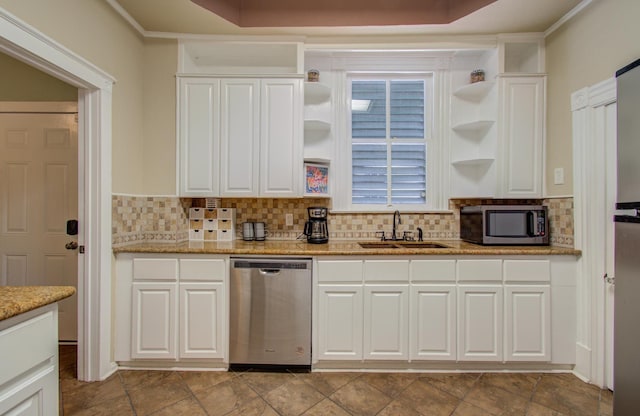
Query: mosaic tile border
136,219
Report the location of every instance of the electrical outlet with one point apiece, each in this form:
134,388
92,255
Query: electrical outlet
558,176
288,219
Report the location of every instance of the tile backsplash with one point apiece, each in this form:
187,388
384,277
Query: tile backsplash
135,219
166,219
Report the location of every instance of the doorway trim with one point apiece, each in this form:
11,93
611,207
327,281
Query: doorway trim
25,43
594,181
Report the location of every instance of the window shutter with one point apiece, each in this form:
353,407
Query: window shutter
369,173
378,159
408,179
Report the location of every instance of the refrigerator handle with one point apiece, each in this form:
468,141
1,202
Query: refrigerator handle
609,279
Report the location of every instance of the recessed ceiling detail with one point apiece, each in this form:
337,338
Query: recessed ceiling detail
301,13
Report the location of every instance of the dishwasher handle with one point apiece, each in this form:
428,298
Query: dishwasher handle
269,272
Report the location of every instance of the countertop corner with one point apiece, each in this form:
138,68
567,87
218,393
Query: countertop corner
15,300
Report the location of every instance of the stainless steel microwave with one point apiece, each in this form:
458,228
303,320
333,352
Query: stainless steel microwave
505,224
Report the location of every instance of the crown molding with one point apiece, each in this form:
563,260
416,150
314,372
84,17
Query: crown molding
564,19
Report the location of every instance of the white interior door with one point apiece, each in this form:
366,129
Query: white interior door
38,194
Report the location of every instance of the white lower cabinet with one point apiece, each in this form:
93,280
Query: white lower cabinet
447,309
201,320
340,322
386,322
480,322
153,321
528,323
29,383
171,308
433,322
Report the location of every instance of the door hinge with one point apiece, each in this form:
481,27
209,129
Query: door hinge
81,249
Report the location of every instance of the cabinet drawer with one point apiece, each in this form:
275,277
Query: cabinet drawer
28,344
202,269
433,270
155,269
386,270
527,271
340,271
479,270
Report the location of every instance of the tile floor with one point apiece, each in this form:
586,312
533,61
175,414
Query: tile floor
255,393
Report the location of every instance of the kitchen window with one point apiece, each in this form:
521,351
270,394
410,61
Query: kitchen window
389,134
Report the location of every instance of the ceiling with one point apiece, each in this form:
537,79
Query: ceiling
280,13
187,17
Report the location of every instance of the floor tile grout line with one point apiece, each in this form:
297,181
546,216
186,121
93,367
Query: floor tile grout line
328,397
533,393
193,394
460,400
126,391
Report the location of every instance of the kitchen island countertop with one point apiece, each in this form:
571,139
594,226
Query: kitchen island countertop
335,248
15,300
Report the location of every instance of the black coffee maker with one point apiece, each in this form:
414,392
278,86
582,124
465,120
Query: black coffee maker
316,228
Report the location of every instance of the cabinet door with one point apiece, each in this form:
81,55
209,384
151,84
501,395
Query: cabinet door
528,323
153,320
480,323
281,138
240,128
340,322
386,322
34,395
202,320
522,136
199,136
433,322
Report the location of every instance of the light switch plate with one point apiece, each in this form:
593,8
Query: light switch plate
288,219
558,176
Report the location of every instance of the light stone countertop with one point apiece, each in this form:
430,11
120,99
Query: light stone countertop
335,248
15,300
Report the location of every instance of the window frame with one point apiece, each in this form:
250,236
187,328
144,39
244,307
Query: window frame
344,197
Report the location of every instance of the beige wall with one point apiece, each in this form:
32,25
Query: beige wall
20,82
161,64
93,30
586,50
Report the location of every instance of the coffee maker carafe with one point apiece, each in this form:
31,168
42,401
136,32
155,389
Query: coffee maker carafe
316,228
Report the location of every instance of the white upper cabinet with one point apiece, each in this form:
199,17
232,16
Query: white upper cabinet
240,121
240,137
198,136
240,143
522,125
281,138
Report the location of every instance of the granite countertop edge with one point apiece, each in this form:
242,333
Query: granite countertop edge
334,248
15,300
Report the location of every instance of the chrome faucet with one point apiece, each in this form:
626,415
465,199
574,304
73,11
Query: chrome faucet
393,234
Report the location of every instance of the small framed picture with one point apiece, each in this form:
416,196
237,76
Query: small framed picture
316,179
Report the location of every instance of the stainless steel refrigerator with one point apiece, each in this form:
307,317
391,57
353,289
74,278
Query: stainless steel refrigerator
626,348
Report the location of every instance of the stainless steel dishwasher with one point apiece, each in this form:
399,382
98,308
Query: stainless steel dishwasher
270,313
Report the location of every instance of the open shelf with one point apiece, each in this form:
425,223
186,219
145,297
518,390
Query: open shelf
315,93
475,91
317,125
320,160
478,125
473,162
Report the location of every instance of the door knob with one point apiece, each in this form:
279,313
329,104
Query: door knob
72,245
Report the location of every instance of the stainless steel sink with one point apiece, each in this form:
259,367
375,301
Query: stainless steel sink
377,244
400,244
